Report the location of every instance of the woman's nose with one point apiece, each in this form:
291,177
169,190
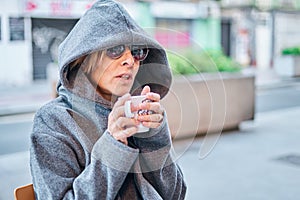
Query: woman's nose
128,58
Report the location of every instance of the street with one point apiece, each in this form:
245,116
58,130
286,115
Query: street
15,132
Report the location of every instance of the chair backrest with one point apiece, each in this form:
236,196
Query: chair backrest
25,192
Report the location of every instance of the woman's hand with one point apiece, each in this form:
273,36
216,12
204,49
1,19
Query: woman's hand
155,119
119,126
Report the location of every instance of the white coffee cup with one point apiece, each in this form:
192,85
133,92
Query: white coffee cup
135,101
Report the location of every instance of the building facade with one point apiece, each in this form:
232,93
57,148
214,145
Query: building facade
260,29
31,30
30,33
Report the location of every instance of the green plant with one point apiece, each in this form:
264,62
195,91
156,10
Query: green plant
191,62
181,65
291,51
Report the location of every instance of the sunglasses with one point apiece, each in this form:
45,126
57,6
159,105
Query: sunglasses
138,52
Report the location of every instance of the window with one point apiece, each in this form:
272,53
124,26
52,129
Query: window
16,27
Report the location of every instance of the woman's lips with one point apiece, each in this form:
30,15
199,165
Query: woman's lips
125,76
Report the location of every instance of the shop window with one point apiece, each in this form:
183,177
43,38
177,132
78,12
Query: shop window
16,27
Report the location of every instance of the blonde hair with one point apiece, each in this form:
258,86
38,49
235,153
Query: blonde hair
88,62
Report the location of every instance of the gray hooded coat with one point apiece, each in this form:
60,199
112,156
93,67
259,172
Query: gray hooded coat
72,156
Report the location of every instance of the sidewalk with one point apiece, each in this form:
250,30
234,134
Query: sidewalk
23,99
260,161
275,81
269,79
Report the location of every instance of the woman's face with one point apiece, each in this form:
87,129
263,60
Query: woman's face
115,76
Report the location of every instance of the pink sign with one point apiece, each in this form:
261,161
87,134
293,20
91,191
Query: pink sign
61,7
30,5
173,39
64,8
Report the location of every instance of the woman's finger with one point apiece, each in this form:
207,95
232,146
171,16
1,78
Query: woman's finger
151,118
117,112
145,90
151,124
122,123
121,100
118,109
153,96
153,106
122,135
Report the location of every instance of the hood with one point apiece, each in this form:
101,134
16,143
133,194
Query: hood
104,25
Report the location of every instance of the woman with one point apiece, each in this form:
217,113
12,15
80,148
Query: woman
82,145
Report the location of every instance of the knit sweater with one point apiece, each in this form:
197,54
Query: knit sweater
72,155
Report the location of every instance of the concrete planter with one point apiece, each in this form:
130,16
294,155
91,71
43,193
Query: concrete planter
287,65
208,103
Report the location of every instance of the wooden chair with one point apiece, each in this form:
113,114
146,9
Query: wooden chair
25,192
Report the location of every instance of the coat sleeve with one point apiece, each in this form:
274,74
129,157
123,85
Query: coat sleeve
62,169
157,165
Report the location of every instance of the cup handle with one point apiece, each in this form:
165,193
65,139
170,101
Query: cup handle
127,109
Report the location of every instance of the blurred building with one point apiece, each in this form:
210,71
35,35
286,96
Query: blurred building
252,32
31,30
260,29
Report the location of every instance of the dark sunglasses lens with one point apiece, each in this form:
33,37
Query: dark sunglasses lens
115,52
139,54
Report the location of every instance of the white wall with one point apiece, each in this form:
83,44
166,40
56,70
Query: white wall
263,47
263,33
16,58
287,31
